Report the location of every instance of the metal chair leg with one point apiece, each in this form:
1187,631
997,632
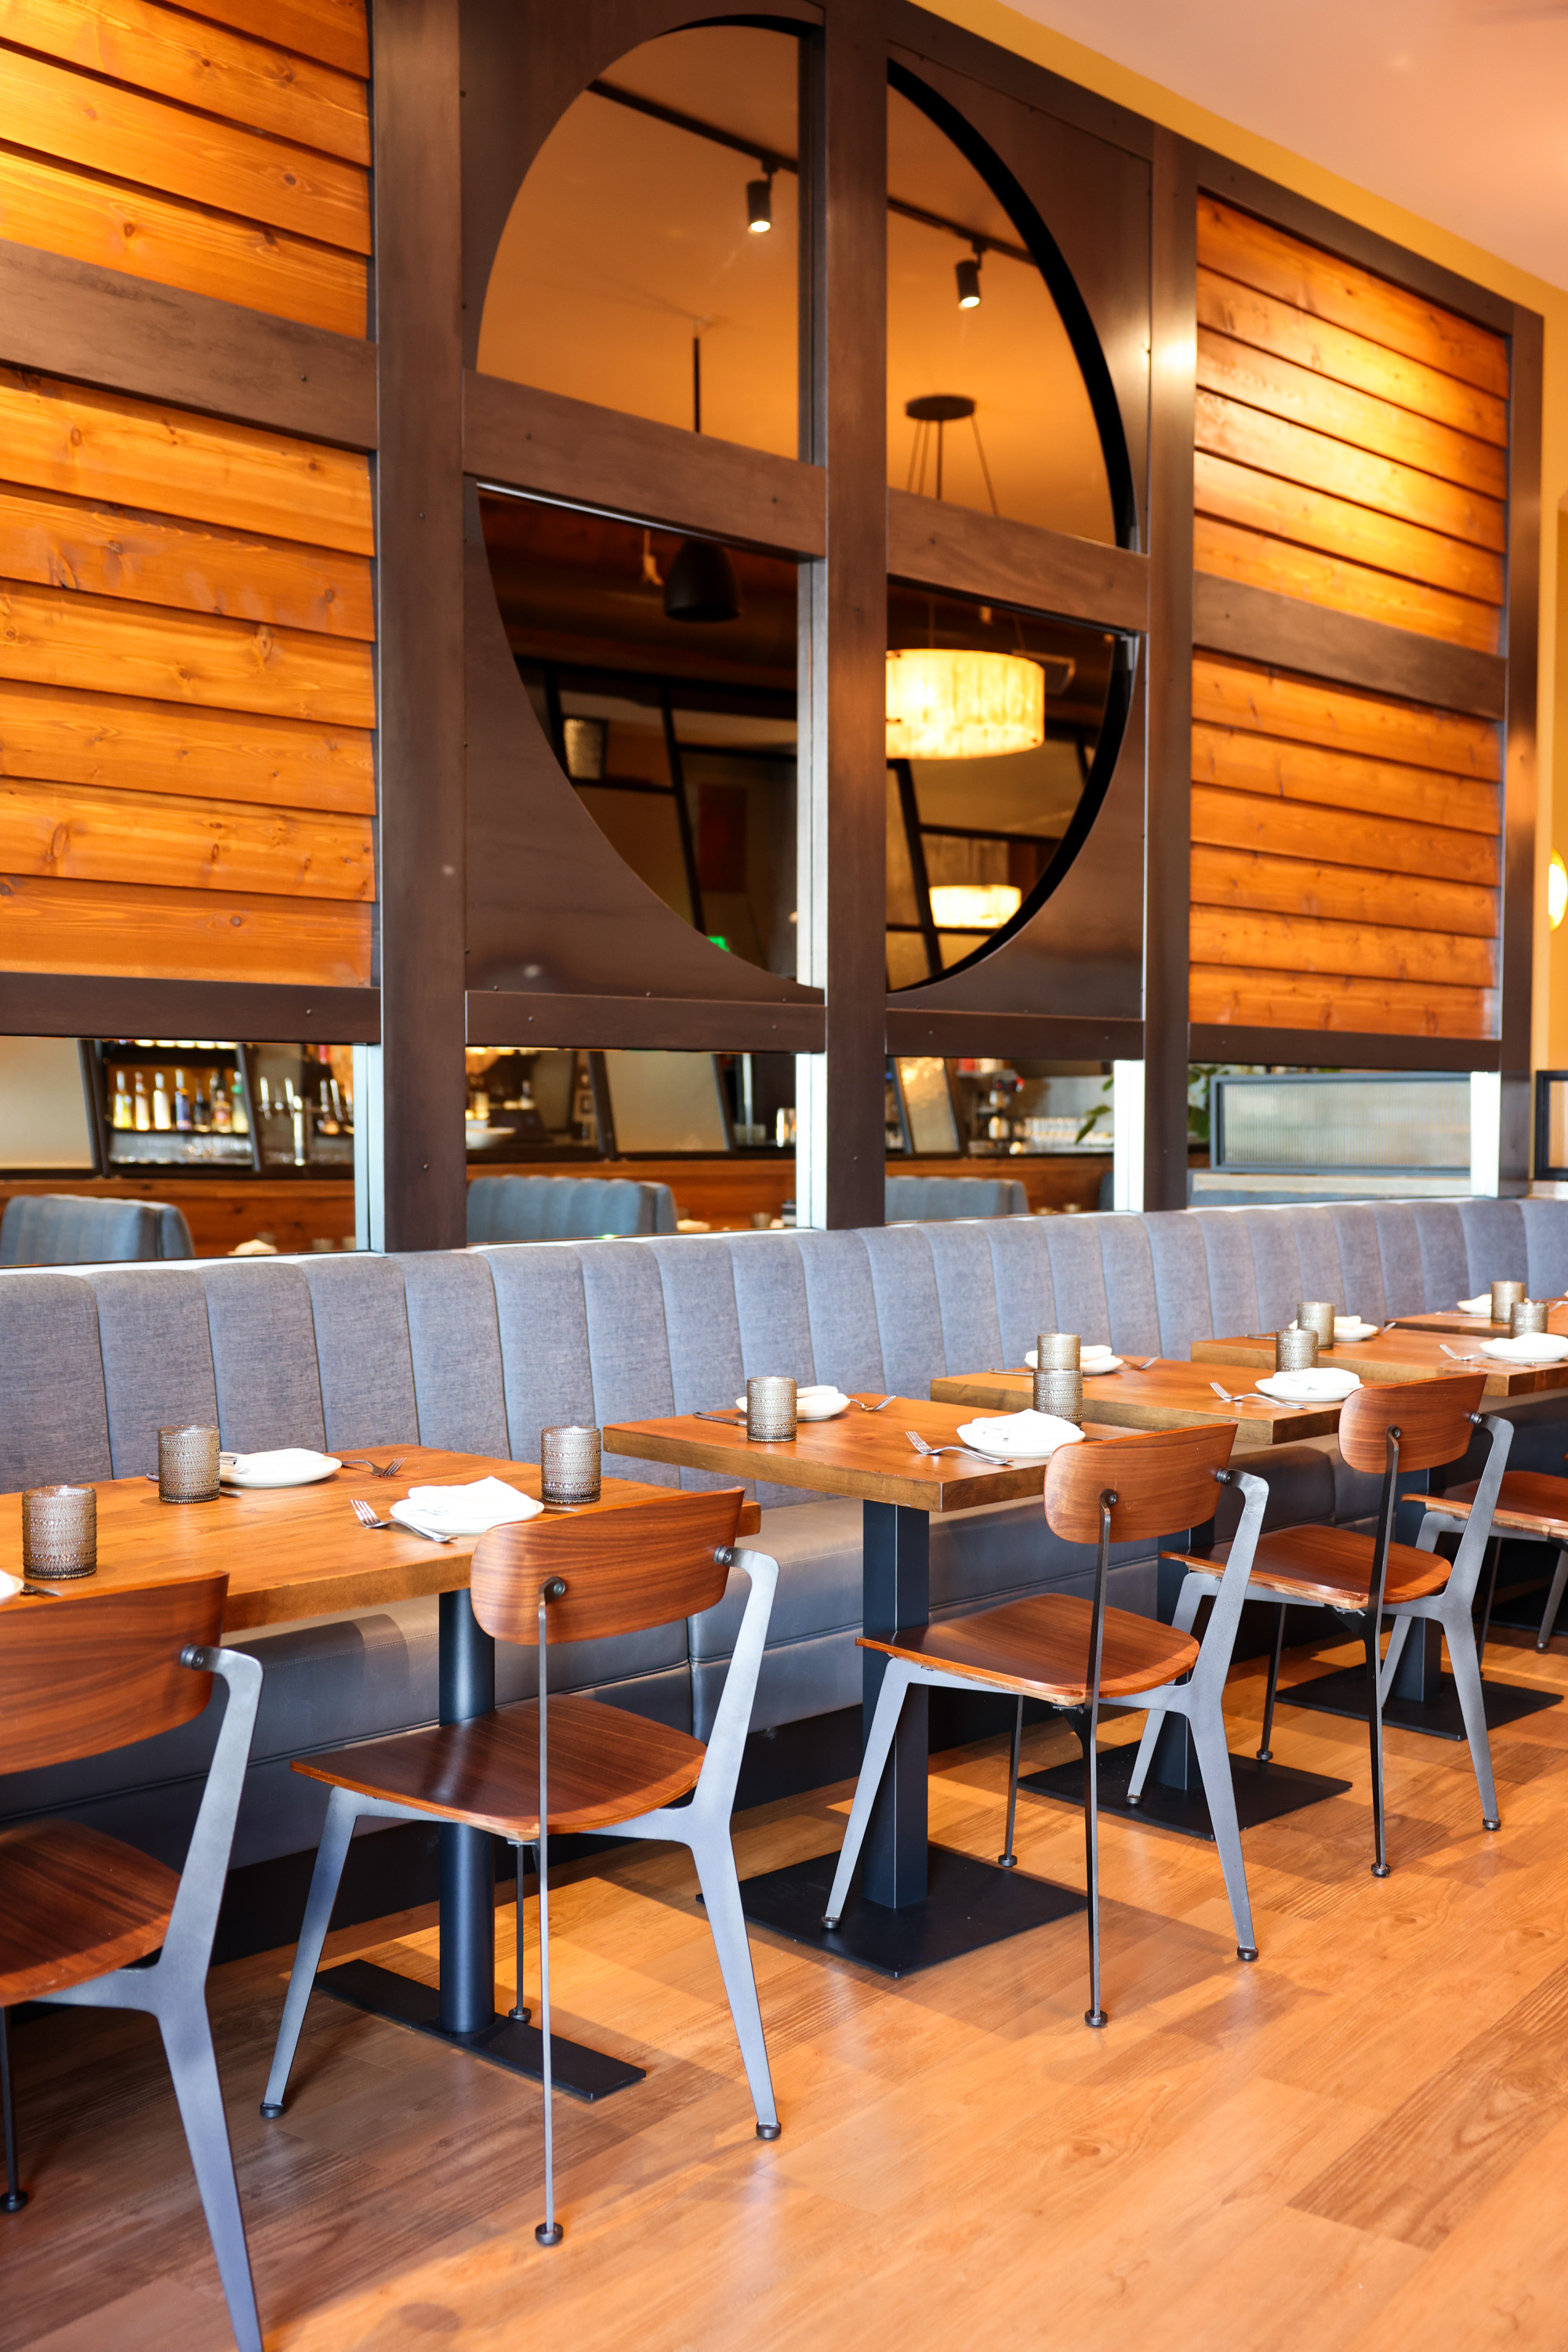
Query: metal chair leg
715,1859
549,2232
1375,1725
331,1856
1553,1600
1495,1550
1264,1753
16,2196
1094,2014
1465,1662
188,2046
519,2009
1009,1860
1194,1592
1219,1790
873,1764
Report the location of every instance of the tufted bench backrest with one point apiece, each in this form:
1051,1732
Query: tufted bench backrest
480,1349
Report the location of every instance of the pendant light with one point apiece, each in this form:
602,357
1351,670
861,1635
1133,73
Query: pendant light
973,906
700,585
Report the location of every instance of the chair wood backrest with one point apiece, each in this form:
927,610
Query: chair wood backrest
623,1570
80,1676
1431,1416
1163,1479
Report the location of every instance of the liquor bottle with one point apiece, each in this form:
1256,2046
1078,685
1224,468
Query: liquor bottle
183,1121
239,1117
201,1110
120,1111
163,1118
142,1112
223,1118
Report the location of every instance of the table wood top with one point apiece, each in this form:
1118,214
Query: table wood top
1398,1354
1167,1395
860,1454
1479,1326
297,1551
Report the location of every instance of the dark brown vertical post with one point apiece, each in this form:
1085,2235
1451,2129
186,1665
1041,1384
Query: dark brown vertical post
843,880
1520,909
1167,854
419,548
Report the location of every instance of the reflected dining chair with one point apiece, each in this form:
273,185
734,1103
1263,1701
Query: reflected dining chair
77,1908
571,1764
1398,1427
1080,1654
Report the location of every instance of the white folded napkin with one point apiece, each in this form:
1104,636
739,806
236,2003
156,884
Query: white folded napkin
1088,1356
1481,1306
1352,1327
1322,1385
464,1510
1030,1435
821,1401
1529,1347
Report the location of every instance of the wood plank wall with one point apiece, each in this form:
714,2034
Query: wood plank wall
187,782
1352,452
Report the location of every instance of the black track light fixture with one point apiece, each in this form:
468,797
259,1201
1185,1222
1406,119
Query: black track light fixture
760,206
968,276
700,585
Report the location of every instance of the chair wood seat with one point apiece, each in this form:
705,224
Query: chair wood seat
1529,1502
1040,1647
1332,1566
73,1905
605,1766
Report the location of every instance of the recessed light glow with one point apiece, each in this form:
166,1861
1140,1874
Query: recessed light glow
1556,889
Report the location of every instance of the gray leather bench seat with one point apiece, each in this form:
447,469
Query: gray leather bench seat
480,1349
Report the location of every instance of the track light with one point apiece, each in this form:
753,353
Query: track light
968,275
760,206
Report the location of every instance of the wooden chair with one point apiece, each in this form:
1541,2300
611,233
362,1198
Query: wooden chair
1533,1507
1078,1655
76,1907
1397,1428
573,1764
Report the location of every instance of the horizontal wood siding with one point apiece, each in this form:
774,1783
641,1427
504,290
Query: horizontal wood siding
227,166
138,930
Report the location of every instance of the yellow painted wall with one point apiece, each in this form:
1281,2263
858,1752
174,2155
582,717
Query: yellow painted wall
994,22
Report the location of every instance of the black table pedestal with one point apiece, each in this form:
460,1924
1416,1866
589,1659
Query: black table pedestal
1173,1796
1423,1698
463,2013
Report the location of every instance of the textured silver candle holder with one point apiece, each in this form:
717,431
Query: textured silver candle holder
1526,1315
569,1465
770,1410
1316,1316
59,1531
1057,1351
1295,1351
1059,1390
187,1464
1506,1296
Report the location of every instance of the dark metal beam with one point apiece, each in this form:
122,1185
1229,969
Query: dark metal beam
1338,1049
1230,616
1003,562
1046,1036
99,1004
600,1024
123,335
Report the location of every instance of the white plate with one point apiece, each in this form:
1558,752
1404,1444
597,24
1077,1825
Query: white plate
1481,1306
1103,1364
1322,1386
1346,1332
1529,1347
813,1404
980,1436
290,1465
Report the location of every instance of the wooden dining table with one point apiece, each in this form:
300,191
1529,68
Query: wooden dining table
1166,1394
1449,1321
917,1903
1398,1353
299,1552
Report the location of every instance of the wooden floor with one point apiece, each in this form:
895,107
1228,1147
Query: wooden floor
1361,2142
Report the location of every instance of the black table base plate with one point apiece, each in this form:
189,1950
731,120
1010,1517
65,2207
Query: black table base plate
969,1904
1344,1692
1264,1792
382,1992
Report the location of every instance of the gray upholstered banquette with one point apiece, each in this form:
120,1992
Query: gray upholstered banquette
478,1350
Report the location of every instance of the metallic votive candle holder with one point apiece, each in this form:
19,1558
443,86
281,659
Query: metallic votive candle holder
569,1465
1057,1351
770,1410
1526,1315
1505,1297
1316,1316
187,1464
1059,1390
59,1531
1295,1351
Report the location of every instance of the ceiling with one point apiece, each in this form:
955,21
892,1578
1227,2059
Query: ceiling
1453,108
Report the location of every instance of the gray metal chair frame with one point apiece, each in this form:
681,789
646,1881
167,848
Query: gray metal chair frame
1200,1699
703,1823
1451,1608
173,1989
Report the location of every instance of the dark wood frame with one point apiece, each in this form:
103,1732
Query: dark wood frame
465,92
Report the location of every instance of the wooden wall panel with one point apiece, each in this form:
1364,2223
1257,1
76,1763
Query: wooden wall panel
138,746
85,835
148,186
1305,710
170,53
333,30
1319,578
47,925
1236,999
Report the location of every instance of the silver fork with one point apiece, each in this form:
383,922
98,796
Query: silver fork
1474,1356
887,1401
1247,1396
917,1442
1145,1364
367,1518
378,1469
